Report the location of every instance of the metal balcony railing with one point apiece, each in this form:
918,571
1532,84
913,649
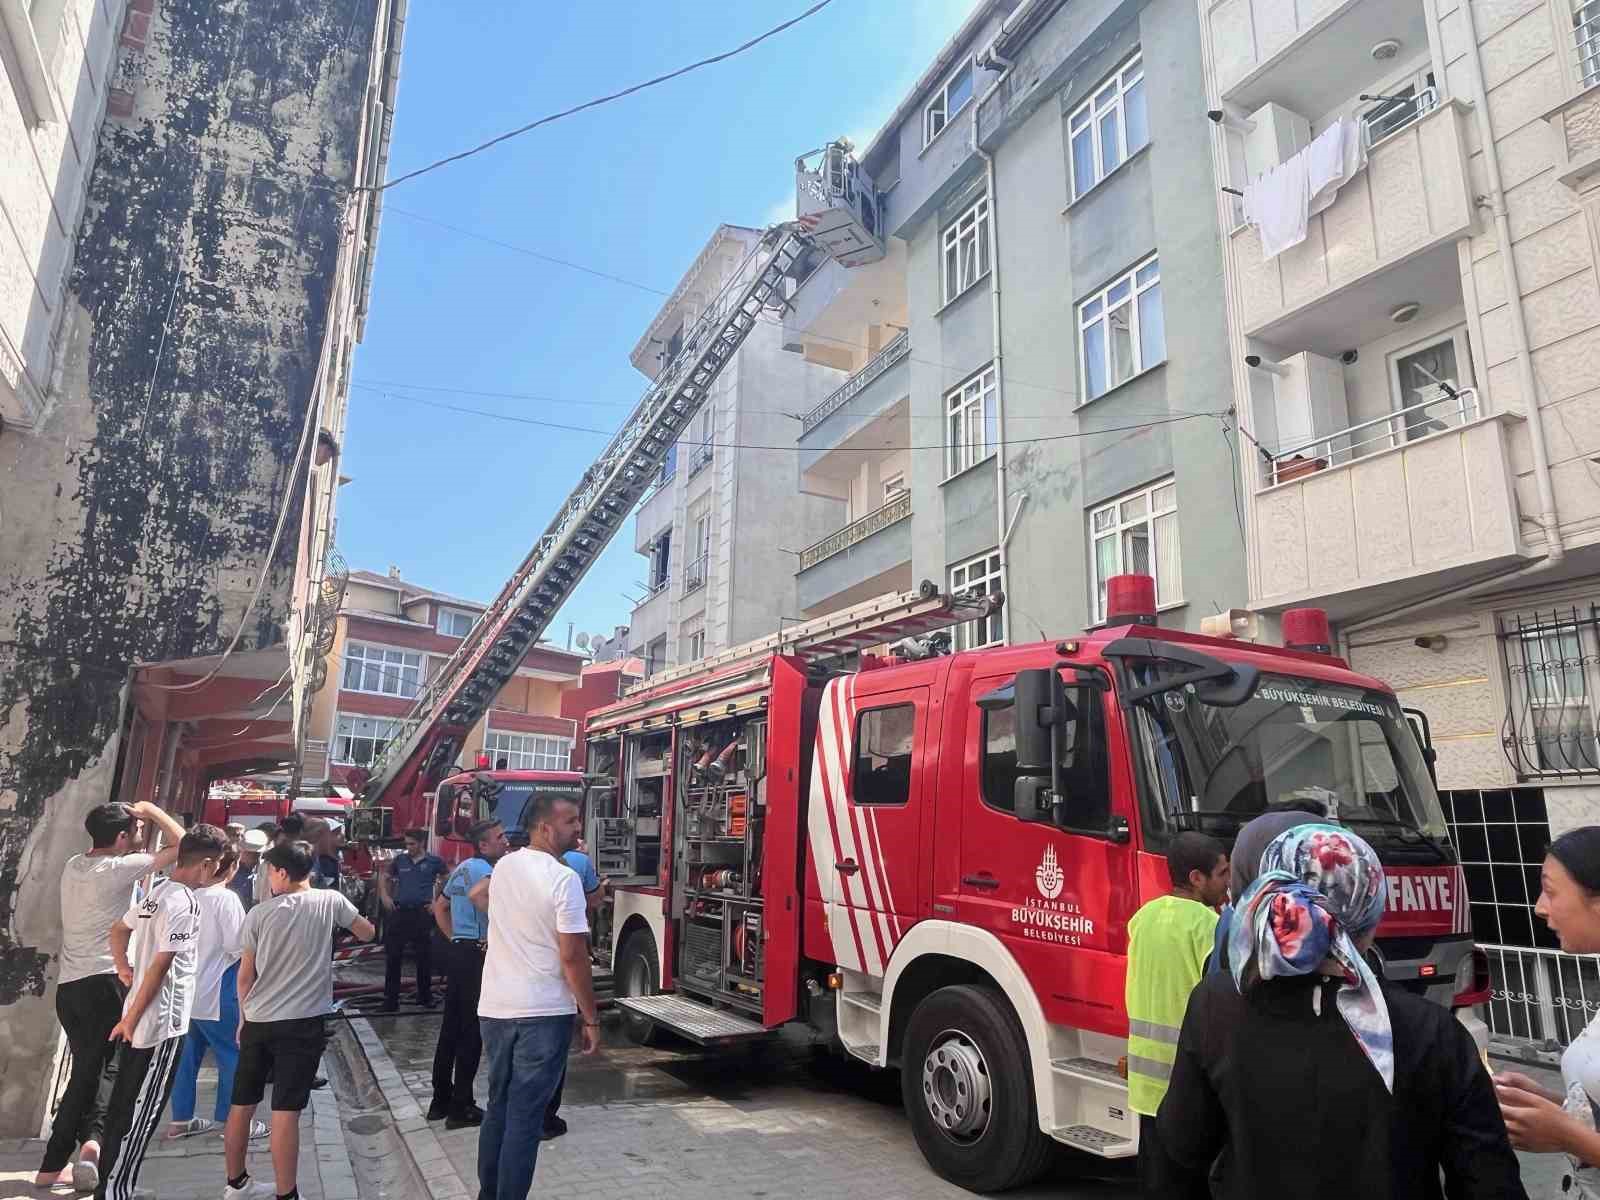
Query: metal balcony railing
1450,409
876,366
1541,997
700,460
1394,115
694,575
654,589
1586,37
897,509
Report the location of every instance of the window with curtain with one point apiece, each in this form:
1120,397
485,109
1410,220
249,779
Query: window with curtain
981,576
1121,330
966,250
380,670
971,422
1137,534
1110,127
359,740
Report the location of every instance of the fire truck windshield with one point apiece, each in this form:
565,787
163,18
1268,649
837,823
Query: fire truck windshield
1213,768
512,803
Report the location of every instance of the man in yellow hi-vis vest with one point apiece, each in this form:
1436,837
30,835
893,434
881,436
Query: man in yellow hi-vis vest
1169,940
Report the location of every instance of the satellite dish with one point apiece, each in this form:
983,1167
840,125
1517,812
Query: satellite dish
583,641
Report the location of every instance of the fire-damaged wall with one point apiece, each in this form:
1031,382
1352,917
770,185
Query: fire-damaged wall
137,511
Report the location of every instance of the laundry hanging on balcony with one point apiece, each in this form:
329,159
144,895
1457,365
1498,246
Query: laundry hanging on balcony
1283,199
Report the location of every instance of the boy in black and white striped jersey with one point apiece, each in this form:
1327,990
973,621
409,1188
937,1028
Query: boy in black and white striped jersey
164,927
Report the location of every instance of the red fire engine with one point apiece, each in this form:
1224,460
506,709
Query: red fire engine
933,857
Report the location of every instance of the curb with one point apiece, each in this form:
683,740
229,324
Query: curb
420,1142
333,1155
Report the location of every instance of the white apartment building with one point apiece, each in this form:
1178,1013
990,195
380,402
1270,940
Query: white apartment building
723,527
1420,376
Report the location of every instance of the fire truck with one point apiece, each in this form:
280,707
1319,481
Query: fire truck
932,858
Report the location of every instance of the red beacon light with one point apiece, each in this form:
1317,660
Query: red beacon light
1307,629
483,762
1131,599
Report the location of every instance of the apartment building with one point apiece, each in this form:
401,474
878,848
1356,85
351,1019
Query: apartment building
392,637
722,526
184,273
1418,364
1018,362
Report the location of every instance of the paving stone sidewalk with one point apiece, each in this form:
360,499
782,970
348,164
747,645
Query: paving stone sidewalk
192,1168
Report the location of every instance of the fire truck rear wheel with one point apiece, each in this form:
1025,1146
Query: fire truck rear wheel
969,1092
636,974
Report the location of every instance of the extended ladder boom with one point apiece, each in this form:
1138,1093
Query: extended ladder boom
452,702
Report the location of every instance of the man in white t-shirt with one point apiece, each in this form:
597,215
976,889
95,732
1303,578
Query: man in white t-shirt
96,889
536,975
155,1018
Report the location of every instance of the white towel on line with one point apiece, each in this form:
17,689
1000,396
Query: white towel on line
1277,204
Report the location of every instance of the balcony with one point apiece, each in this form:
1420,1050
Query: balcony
870,392
868,555
1388,238
701,460
649,618
1412,502
694,575
654,517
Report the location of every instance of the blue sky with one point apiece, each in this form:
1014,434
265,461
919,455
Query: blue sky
633,189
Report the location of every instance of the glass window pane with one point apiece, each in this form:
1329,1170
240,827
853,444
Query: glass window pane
1135,508
1120,321
960,89
1080,119
1152,328
1165,496
1105,518
1110,143
1118,292
1083,176
1135,118
1094,359
991,430
1105,96
952,269
1147,273
352,673
983,246
955,443
1136,550
1105,566
1092,308
1169,584
372,679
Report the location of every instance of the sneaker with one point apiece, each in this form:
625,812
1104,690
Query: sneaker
259,1130
318,1081
85,1176
191,1128
254,1189
553,1128
438,1111
465,1119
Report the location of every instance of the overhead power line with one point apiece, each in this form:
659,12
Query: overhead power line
596,103
1171,418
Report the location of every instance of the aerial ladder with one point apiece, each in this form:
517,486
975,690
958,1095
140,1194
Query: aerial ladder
430,736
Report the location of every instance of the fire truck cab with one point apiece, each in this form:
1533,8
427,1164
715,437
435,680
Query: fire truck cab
934,861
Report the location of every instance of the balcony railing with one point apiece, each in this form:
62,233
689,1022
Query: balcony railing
876,366
694,575
1451,409
1541,999
1394,115
700,460
897,509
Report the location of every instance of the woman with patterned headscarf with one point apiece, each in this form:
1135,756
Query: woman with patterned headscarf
1307,1075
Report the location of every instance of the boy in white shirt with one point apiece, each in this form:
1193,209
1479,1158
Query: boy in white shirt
155,1018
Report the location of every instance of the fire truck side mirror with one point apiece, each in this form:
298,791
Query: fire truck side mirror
1041,709
444,809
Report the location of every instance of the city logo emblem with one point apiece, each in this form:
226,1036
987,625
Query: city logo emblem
1048,875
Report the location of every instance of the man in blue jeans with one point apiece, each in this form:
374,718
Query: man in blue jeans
536,977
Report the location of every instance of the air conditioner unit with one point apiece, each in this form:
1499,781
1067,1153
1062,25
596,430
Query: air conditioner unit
1279,133
1305,402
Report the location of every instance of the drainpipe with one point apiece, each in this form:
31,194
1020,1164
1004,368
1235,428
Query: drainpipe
1003,526
1549,521
1555,549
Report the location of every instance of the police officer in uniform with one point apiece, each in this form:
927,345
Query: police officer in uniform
455,1059
406,891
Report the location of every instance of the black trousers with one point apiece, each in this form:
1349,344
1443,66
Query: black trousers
408,927
88,1010
460,1048
144,1085
1160,1176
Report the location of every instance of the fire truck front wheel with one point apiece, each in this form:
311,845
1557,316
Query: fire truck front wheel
968,1090
636,974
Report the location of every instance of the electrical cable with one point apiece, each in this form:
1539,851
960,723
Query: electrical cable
1233,477
1057,437
595,103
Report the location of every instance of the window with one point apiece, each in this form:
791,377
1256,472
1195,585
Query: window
1138,535
893,485
453,622
1121,331
1083,759
1550,659
1427,380
1402,104
655,656
1586,35
1109,127
380,670
529,751
669,465
980,576
970,415
966,250
660,552
359,740
695,645
694,575
702,441
947,102
28,46
884,740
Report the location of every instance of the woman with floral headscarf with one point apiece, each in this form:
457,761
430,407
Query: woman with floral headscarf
1306,1074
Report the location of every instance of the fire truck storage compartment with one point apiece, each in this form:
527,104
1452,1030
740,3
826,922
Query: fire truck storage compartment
609,831
626,806
721,814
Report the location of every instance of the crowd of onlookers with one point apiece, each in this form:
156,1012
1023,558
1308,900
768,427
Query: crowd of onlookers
1267,1057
